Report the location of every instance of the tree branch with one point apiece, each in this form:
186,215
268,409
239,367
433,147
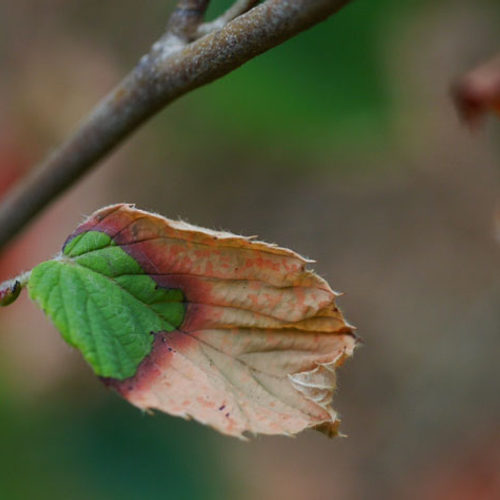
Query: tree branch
172,68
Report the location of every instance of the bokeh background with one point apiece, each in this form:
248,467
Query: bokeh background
342,144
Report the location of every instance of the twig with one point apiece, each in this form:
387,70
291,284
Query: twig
186,18
237,9
172,68
10,289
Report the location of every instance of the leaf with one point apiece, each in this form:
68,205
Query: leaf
479,92
198,323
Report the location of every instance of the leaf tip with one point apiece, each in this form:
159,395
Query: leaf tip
329,429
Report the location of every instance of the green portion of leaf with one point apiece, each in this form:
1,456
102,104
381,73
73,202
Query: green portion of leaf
88,242
102,303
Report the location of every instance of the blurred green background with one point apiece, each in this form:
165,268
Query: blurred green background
342,144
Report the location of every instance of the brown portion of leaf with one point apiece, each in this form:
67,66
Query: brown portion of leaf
261,339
